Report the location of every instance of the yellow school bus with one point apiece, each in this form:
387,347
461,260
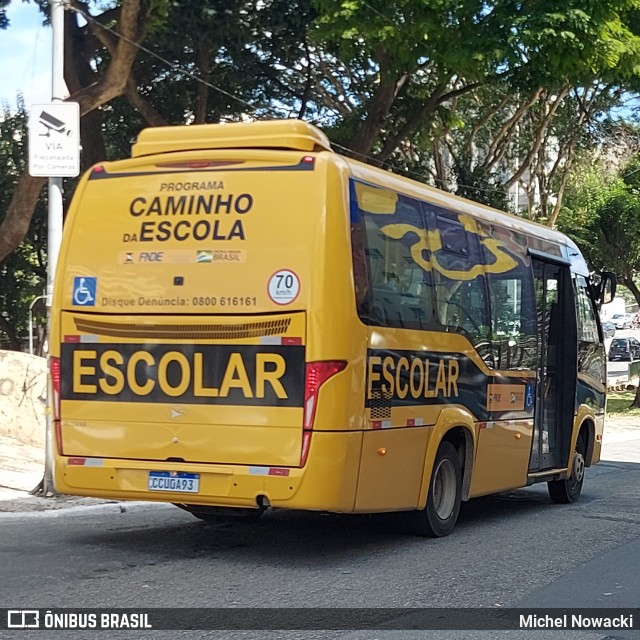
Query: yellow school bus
244,319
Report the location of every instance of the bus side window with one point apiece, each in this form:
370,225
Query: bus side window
461,288
513,319
588,337
398,290
360,279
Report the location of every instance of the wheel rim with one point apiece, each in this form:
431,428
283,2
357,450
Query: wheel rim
578,467
444,489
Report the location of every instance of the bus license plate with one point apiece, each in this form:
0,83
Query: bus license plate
174,481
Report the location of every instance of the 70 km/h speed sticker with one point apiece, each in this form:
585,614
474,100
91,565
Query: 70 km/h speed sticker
284,286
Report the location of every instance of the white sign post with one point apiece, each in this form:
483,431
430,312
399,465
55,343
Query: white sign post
54,140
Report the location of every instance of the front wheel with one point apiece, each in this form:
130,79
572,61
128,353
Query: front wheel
440,514
568,490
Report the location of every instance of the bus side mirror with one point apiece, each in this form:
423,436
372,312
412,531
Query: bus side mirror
607,287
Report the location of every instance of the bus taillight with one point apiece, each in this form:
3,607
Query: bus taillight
316,374
54,368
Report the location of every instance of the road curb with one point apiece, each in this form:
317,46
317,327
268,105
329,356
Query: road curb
116,508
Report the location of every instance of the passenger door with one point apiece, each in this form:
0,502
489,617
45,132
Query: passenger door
557,369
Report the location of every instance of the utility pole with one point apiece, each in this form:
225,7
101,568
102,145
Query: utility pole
54,153
55,215
58,91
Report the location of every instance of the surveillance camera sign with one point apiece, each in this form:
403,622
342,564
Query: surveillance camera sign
54,140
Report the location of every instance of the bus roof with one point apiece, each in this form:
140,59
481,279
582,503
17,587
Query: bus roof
273,134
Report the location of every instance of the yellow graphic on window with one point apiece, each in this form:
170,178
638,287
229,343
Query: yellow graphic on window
383,202
431,241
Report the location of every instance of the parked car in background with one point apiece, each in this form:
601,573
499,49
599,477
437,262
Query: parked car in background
622,320
624,349
608,329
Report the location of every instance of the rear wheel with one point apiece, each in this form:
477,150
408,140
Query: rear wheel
568,490
440,514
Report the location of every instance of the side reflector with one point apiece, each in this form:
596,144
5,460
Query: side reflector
306,445
85,462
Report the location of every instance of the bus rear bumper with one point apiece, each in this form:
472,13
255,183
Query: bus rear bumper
328,481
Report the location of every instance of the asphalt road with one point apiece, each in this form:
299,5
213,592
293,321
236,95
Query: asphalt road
512,550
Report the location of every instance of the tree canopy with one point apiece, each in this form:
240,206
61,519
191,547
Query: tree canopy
23,273
4,21
483,98
603,217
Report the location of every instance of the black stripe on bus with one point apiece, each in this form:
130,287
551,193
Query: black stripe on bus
102,174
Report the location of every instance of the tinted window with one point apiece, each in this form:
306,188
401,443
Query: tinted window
418,266
391,259
587,326
462,298
589,349
513,318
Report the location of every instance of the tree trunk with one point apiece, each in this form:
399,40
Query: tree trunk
379,106
93,147
133,17
143,106
632,286
202,91
636,401
413,123
16,223
9,330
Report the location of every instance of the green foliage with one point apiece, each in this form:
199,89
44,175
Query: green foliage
603,218
589,189
481,187
605,227
23,273
619,405
4,22
22,279
475,63
246,53
413,33
577,41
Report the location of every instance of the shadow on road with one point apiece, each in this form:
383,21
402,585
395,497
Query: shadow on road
290,535
310,539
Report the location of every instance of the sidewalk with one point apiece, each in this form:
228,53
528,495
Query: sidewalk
22,468
619,434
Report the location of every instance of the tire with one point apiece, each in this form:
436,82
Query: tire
440,514
568,490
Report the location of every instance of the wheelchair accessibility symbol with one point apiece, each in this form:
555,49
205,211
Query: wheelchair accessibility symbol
529,397
84,291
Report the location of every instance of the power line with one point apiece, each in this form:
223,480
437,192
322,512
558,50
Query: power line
253,109
172,65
